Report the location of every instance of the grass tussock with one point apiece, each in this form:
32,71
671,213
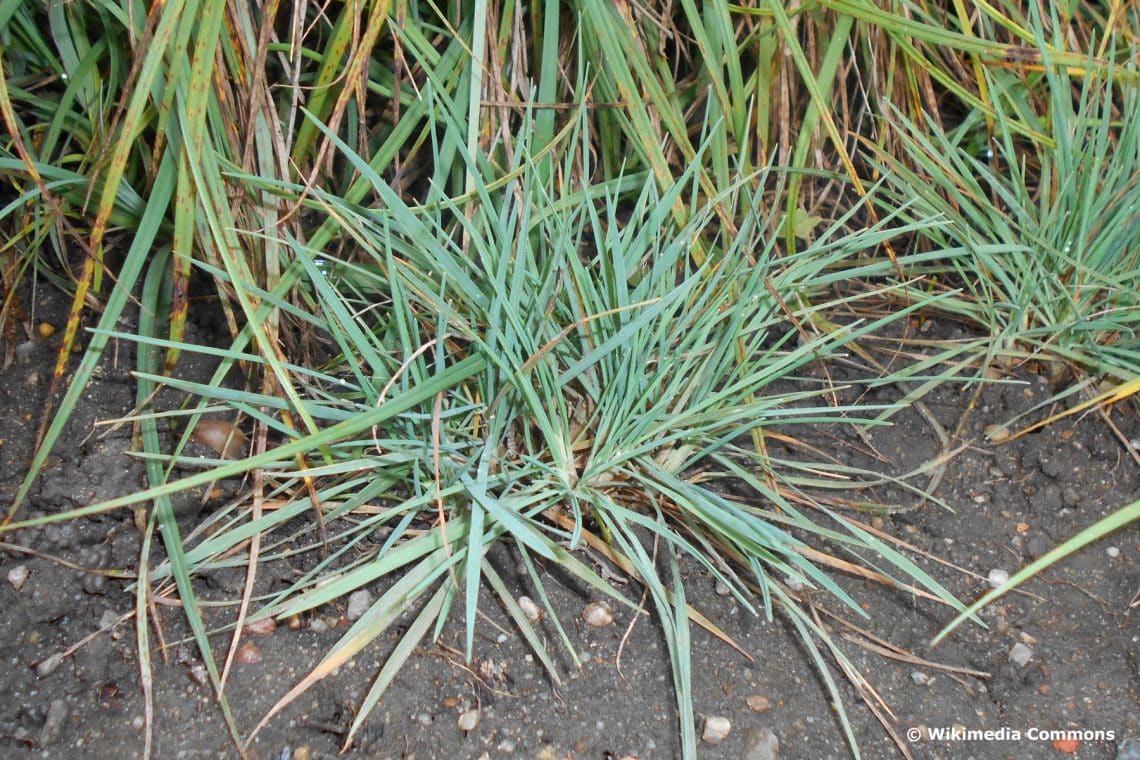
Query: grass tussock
547,276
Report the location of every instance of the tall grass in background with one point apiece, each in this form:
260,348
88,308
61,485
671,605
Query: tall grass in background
475,208
1045,234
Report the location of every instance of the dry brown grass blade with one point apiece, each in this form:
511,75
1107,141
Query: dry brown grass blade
310,486
868,693
893,653
364,509
254,553
105,572
865,573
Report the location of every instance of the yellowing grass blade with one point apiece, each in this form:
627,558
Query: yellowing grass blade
385,611
1112,396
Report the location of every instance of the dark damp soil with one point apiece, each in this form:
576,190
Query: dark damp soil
1002,506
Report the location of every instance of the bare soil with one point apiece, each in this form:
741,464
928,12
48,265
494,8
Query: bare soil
1010,503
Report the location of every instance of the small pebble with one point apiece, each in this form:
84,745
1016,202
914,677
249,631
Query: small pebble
248,653
24,351
722,589
597,615
198,674
760,744
45,329
1020,654
1113,552
716,729
53,723
93,583
358,603
530,609
1037,546
95,558
302,753
997,577
758,703
262,627
997,433
1049,499
1050,465
223,437
1070,497
17,575
920,678
48,665
468,720
318,625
